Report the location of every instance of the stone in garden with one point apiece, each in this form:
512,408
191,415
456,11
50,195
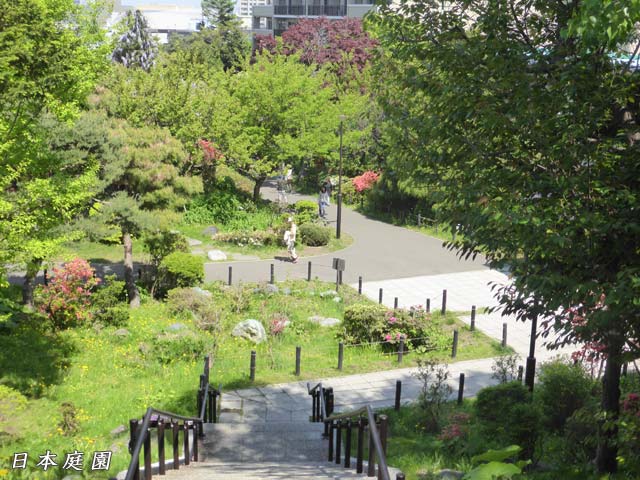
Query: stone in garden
328,293
119,430
447,474
337,299
121,332
286,291
212,230
251,330
176,327
202,291
257,290
216,255
324,321
271,288
193,242
144,348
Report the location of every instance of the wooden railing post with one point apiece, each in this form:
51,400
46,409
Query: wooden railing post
360,448
330,441
133,436
347,446
147,454
161,460
338,441
187,453
176,453
195,442
371,467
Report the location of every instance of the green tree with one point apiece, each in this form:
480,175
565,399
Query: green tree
520,121
146,178
49,61
280,111
219,12
135,47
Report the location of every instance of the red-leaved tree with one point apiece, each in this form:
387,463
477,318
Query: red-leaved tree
342,43
364,182
211,156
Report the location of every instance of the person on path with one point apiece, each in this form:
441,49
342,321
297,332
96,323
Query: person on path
291,240
323,202
282,193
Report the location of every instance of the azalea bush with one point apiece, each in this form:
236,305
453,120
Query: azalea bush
371,323
67,297
365,182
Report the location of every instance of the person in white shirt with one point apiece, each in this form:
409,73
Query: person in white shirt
291,242
323,201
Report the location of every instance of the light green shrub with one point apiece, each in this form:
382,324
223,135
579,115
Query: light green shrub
314,235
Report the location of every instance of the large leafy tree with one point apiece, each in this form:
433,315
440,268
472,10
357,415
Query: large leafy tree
280,111
520,119
50,59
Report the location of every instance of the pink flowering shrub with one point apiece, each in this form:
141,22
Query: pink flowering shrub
277,325
456,433
67,298
365,181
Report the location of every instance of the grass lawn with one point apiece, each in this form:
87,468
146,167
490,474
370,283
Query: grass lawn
109,378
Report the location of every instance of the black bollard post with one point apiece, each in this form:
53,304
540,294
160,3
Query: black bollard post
230,275
272,276
530,373
396,405
473,318
298,354
520,372
504,335
461,389
380,296
46,278
444,302
340,277
400,349
454,348
308,271
395,303
624,369
359,285
428,305
340,355
252,366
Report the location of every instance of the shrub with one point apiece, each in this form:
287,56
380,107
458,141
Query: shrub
374,323
434,391
254,239
180,269
562,389
186,300
170,347
109,303
219,207
306,211
314,235
506,413
581,435
505,368
161,243
365,182
11,403
66,299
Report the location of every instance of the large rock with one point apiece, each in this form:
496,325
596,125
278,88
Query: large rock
216,255
328,293
211,230
271,288
447,474
324,321
121,332
176,327
251,330
193,242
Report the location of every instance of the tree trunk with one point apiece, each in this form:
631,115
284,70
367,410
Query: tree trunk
129,277
607,449
33,267
256,188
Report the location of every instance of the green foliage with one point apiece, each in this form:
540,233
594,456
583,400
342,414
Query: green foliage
306,211
180,269
253,239
505,368
434,392
108,303
12,403
562,389
218,13
362,322
314,235
220,208
182,346
161,243
581,435
507,413
186,300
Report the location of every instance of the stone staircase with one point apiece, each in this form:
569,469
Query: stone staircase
264,451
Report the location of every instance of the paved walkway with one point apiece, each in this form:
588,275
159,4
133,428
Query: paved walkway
380,251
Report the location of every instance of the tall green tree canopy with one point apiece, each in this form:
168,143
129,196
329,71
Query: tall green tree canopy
49,62
135,47
521,122
219,13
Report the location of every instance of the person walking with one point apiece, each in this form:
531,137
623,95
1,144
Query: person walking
291,240
323,202
282,193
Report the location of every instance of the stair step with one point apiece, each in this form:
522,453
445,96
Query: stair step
265,471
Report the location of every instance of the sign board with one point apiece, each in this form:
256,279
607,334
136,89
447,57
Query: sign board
338,264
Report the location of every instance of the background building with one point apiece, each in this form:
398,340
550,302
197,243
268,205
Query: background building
278,15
